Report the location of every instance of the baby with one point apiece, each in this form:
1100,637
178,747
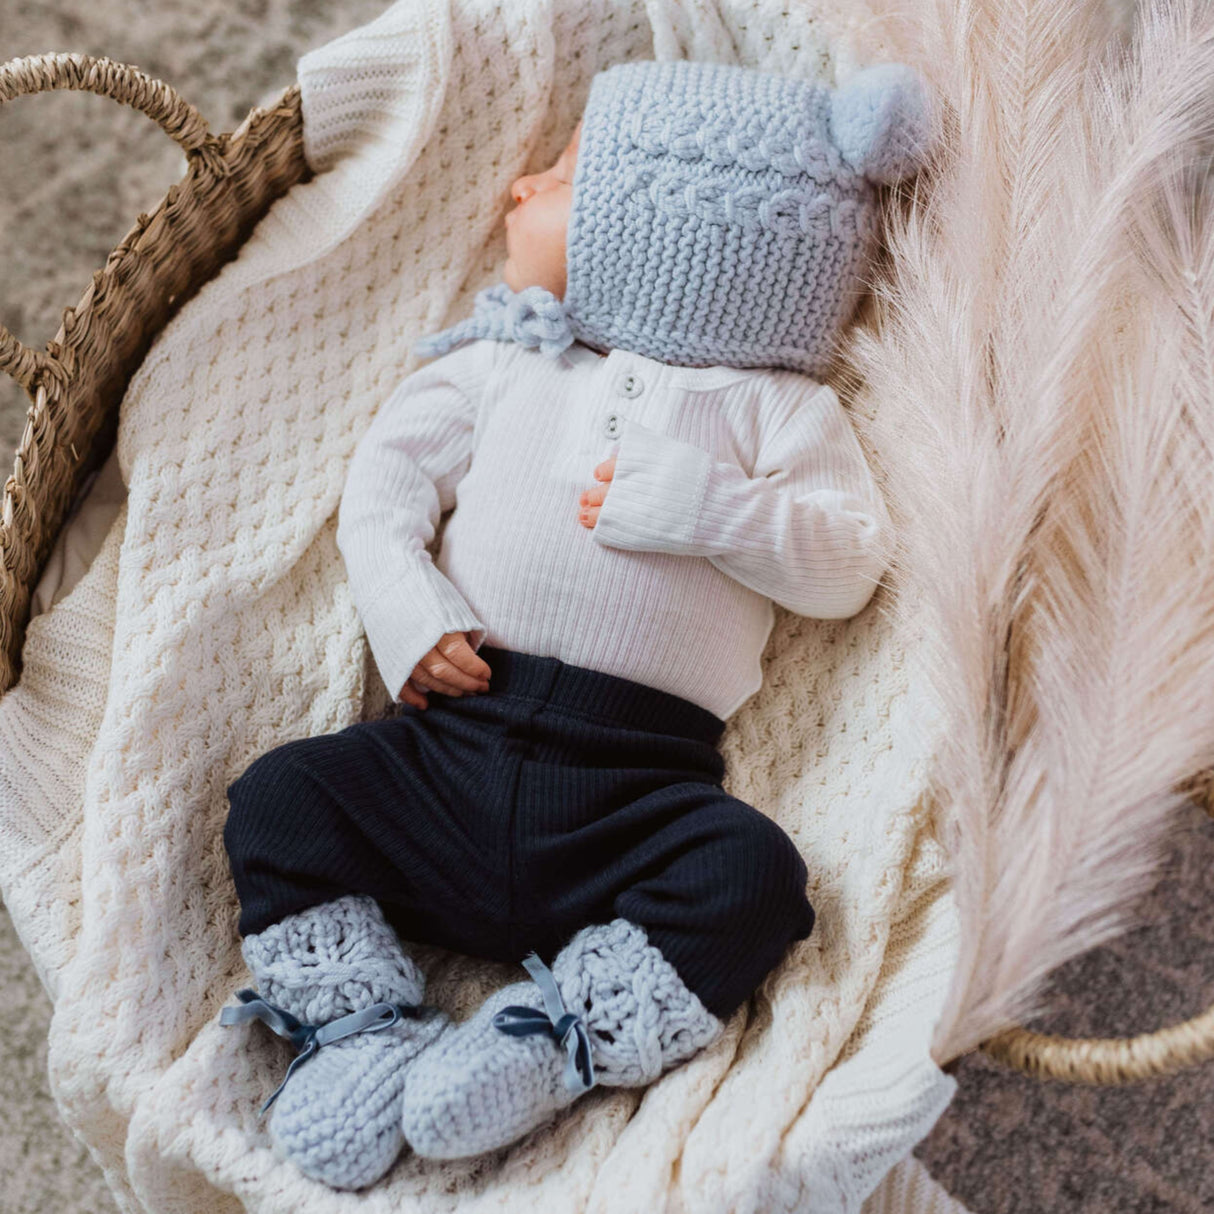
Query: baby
639,464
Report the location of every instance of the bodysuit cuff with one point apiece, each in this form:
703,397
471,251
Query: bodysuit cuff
408,618
655,494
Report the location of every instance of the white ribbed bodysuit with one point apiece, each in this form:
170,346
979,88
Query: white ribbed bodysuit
732,487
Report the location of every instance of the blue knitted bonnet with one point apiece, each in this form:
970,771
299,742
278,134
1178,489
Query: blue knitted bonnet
720,215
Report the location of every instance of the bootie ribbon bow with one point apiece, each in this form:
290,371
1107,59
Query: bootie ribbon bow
308,1038
564,1027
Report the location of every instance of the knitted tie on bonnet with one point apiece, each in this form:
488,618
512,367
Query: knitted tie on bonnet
533,317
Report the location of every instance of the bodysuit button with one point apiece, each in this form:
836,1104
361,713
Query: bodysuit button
611,427
631,385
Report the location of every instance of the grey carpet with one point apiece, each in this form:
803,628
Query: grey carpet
1007,1144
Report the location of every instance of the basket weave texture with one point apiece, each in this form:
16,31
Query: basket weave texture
77,382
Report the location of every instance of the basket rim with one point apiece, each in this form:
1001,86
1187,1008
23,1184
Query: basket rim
75,394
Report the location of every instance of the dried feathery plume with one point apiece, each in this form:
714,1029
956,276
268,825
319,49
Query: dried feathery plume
1041,373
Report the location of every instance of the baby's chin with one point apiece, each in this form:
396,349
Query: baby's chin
516,281
519,281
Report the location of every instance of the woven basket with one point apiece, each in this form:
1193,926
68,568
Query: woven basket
77,383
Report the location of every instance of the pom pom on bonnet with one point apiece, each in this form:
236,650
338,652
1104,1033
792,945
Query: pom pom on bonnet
720,215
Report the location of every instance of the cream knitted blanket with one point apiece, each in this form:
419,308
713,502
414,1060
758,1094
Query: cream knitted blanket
216,623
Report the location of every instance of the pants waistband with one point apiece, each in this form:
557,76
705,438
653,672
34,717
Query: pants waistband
593,693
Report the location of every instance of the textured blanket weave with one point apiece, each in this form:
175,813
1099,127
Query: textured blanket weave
216,623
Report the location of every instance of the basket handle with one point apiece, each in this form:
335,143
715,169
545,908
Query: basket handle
1113,1060
128,86
1106,1060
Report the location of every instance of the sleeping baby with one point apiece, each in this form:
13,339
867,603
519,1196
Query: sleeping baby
640,464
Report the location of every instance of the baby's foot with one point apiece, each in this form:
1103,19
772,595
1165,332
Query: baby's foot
616,1013
338,1118
478,1088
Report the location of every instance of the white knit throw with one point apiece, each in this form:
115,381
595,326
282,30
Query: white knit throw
216,623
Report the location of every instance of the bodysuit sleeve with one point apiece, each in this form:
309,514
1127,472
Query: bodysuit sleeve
808,526
401,479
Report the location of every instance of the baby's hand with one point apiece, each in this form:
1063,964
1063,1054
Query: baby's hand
451,668
592,499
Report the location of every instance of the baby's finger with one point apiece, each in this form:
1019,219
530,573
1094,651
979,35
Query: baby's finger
426,682
447,672
594,496
589,516
606,470
420,680
459,650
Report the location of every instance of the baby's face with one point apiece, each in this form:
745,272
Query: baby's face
536,228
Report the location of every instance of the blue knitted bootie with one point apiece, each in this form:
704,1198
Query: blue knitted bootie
612,1010
335,979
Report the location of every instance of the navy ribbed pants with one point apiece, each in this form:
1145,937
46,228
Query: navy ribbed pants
497,823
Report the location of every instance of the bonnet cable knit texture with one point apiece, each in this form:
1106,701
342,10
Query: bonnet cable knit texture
719,215
479,1087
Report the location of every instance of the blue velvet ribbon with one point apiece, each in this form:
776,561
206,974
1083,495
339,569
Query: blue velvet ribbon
564,1027
309,1038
